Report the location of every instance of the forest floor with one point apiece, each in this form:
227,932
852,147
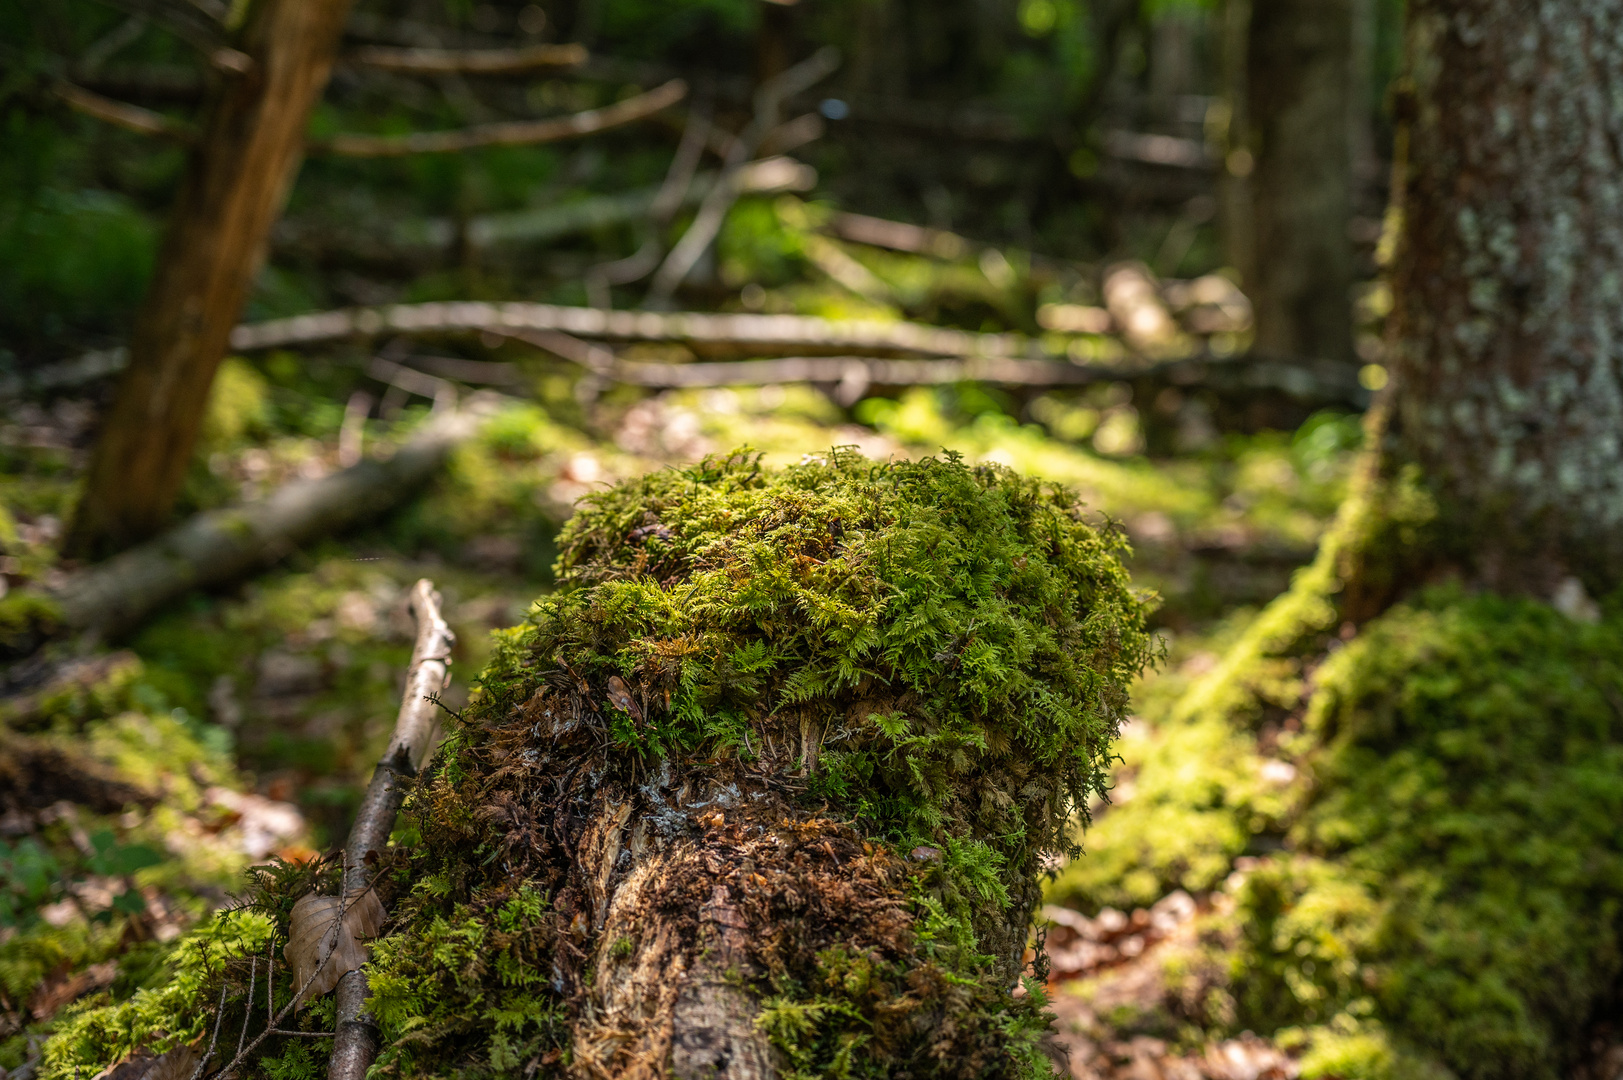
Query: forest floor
254,714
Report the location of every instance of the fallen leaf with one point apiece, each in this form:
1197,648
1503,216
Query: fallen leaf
620,697
176,1064
317,944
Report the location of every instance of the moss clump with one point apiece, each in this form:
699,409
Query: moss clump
874,659
1438,881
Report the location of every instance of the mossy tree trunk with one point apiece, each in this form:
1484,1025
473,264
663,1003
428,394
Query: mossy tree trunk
1508,283
235,185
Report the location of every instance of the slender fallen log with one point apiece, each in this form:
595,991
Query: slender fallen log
200,25
507,133
760,334
122,114
468,61
220,546
356,1041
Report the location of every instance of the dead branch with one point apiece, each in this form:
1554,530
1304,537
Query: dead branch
707,223
468,61
509,133
121,114
200,24
429,674
898,236
219,546
761,335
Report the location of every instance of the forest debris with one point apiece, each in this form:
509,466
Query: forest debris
176,1064
266,825
355,1043
1136,307
122,114
750,334
221,545
505,133
323,939
35,774
54,993
468,61
713,210
898,236
1074,319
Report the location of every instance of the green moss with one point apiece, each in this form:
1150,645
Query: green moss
946,648
177,1011
1443,894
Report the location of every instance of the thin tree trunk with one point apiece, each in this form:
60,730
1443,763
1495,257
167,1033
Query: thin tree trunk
1508,284
1298,131
234,189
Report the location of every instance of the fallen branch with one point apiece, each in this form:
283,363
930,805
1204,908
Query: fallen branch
220,546
468,61
707,223
357,1041
545,223
121,114
746,334
509,133
200,25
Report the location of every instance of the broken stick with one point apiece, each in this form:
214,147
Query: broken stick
356,1041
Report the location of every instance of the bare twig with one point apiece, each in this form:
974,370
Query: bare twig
707,223
511,133
275,1025
355,1040
121,114
200,25
468,61
248,1002
219,1015
672,194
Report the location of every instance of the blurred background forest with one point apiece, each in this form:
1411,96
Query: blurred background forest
1155,227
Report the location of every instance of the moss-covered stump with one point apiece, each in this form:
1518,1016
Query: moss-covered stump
766,788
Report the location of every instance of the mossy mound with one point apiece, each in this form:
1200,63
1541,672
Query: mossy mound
918,657
868,696
1432,886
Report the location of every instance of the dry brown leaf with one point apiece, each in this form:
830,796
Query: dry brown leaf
620,697
317,944
176,1064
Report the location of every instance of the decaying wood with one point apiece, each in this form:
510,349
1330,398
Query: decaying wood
35,773
355,1044
220,546
759,335
506,133
236,181
468,61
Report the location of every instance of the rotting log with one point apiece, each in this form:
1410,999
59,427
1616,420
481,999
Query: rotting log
220,546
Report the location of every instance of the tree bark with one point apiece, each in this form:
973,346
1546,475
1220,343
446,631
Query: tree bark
235,186
1508,284
1296,127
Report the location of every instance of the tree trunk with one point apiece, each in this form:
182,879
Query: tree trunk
1508,285
1295,143
234,188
